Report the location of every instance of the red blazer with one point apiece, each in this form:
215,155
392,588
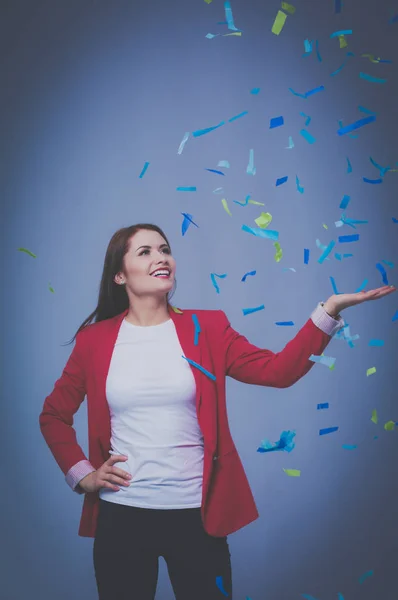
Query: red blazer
227,501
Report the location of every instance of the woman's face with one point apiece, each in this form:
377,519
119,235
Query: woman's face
149,253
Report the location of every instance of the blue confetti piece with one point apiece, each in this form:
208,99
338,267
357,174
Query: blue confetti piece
366,110
341,32
213,276
349,446
186,189
372,79
306,255
345,239
281,180
307,136
194,364
344,202
255,91
229,17
249,311
319,57
356,125
144,170
215,171
383,170
285,323
199,132
323,406
362,286
197,329
342,65
365,576
394,220
377,343
307,47
374,181
308,597
340,596
334,286
246,202
186,223
299,187
383,273
285,443
242,114
326,252
308,118
314,91
327,430
337,6
349,167
276,122
297,94
263,233
247,274
393,19
395,317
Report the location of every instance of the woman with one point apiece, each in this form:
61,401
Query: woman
164,477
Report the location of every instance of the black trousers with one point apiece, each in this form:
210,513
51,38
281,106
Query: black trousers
129,541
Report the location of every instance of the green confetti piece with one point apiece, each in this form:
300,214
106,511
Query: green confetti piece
292,472
374,417
389,426
370,371
27,252
51,289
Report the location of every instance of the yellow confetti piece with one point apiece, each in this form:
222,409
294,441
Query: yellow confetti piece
208,1
389,426
370,371
289,8
256,203
292,472
279,22
225,205
263,220
371,58
325,226
279,252
374,417
343,41
235,33
51,289
177,310
27,252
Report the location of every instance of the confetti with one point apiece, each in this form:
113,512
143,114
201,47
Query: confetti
272,235
251,169
255,91
281,180
307,136
371,78
276,122
223,163
197,329
292,472
349,446
145,167
186,223
382,270
183,142
284,323
373,181
291,144
365,576
225,205
308,118
299,187
195,364
307,47
306,256
340,33
345,239
27,252
319,57
349,167
229,16
279,22
327,430
278,254
263,220
337,6
247,274
213,280
309,93
249,311
186,189
326,252
344,202
374,418
370,371
220,585
242,114
204,131
390,426
327,361
284,443
356,125
323,406
289,8
215,171
349,54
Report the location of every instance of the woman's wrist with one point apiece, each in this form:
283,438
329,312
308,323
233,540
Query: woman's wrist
330,310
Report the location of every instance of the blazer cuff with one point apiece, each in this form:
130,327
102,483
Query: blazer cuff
76,474
325,322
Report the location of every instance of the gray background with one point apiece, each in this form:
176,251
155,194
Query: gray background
90,90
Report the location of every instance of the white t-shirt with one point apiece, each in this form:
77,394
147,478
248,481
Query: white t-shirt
151,394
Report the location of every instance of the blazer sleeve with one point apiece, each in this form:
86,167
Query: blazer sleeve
259,366
56,418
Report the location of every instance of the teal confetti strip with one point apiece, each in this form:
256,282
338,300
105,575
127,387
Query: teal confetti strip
308,597
281,180
376,343
319,57
356,125
299,187
371,78
197,329
362,286
383,170
229,17
186,223
285,323
349,446
309,93
334,286
144,170
366,110
291,143
388,263
344,202
251,169
341,32
307,136
218,191
350,135
195,364
337,6
326,252
210,36
215,171
327,361
245,203
323,406
263,233
308,118
249,311
307,47
328,430
340,596
346,239
373,181
365,576
349,167
213,280
224,163
284,443
383,273
183,142
247,274
255,91
276,122
242,114
199,132
186,189
348,55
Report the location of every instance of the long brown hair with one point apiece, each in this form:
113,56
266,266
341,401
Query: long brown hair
113,298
